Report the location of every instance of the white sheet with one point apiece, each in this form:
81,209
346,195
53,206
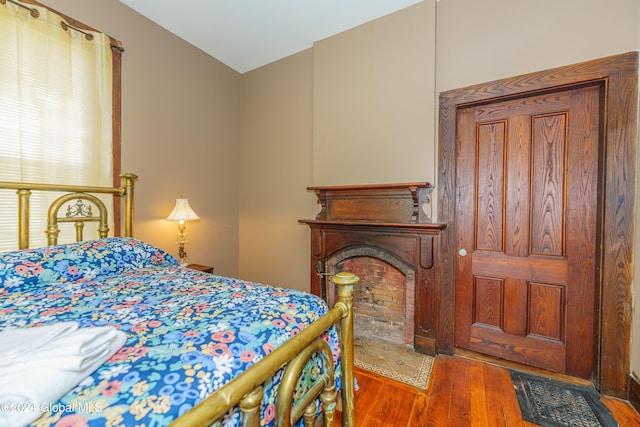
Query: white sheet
45,363
18,342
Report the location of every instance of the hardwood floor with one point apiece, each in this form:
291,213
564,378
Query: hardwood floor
462,392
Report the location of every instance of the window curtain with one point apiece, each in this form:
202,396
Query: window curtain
55,115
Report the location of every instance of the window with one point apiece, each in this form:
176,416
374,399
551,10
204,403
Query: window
59,111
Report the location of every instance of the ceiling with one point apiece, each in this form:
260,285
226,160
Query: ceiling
247,34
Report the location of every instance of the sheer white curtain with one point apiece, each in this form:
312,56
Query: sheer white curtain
55,113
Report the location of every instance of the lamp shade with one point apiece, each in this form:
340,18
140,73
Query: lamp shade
182,212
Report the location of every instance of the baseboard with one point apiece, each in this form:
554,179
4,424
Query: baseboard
634,392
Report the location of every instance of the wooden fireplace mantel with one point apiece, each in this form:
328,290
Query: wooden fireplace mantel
394,218
393,203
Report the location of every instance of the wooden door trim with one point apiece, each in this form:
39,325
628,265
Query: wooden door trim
618,76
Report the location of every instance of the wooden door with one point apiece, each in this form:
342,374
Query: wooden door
526,212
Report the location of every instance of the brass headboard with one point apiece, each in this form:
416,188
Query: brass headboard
79,213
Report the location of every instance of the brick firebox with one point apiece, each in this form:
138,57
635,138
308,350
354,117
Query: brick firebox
382,233
384,300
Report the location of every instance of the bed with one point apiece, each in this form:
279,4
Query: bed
200,349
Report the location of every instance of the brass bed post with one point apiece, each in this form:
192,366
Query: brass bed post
250,407
23,218
345,282
128,180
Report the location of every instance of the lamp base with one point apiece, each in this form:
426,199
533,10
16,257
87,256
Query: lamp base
182,254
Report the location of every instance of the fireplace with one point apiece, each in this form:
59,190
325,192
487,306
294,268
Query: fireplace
384,234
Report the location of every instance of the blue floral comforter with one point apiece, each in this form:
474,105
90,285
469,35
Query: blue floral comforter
188,332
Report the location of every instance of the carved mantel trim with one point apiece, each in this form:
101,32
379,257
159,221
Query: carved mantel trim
408,203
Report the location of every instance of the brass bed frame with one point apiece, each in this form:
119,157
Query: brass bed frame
246,390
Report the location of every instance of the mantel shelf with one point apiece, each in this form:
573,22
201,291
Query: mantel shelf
424,226
371,186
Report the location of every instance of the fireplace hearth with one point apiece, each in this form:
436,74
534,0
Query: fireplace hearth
384,234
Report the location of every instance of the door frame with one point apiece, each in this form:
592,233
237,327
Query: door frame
618,77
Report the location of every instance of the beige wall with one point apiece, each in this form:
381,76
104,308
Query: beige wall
180,132
481,41
373,101
356,108
276,159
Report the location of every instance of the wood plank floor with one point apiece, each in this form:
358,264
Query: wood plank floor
462,392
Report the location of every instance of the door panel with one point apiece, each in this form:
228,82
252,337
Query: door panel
527,181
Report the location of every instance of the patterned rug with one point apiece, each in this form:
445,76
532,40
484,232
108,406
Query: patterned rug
393,361
553,403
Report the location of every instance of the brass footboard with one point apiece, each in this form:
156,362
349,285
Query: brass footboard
246,389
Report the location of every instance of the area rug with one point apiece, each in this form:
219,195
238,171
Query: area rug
393,361
554,403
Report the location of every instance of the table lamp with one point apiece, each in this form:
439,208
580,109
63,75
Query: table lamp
181,213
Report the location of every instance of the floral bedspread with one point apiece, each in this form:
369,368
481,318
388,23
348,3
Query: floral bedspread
188,332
